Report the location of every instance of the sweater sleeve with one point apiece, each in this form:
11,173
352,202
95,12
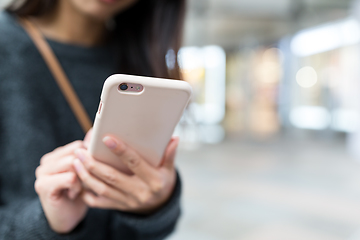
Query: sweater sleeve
26,220
151,227
23,219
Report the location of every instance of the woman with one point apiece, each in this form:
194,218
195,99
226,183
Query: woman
76,196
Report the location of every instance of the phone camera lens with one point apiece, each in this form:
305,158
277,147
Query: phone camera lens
123,86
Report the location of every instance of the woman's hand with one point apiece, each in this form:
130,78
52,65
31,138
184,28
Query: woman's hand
108,188
59,188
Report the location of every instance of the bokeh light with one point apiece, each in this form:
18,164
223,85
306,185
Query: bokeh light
306,77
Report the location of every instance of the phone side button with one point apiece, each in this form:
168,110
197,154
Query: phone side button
100,107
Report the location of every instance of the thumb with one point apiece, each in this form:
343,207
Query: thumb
170,153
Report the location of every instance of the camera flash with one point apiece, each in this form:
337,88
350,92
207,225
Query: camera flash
137,88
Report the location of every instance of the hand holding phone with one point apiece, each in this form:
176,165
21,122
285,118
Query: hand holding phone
130,162
108,188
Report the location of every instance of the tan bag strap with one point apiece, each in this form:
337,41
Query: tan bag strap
58,73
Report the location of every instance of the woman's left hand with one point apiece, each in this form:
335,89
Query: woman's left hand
145,191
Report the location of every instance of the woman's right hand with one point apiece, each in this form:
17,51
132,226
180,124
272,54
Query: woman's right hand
59,188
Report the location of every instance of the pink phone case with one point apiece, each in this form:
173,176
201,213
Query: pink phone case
144,120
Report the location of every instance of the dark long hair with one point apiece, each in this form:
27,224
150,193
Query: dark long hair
144,33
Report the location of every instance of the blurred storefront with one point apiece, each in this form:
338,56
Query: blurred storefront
305,82
253,78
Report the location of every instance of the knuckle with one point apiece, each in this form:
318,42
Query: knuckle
120,149
38,172
91,202
144,197
91,166
132,204
58,149
38,186
44,158
157,186
133,162
50,190
84,177
102,191
77,143
69,160
110,178
72,178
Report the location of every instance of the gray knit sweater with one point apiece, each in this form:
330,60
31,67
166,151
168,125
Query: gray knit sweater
35,119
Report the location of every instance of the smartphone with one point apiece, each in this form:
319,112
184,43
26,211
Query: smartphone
140,111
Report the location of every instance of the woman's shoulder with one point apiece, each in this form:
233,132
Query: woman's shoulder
16,47
11,33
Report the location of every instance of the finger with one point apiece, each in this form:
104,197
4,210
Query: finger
68,149
131,159
53,185
170,153
106,173
87,138
94,201
62,151
65,164
73,193
97,186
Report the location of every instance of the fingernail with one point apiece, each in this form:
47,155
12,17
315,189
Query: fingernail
109,142
77,165
80,155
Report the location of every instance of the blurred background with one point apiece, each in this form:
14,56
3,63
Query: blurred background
271,141
270,144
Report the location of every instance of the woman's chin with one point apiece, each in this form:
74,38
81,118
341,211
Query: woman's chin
109,1
102,9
